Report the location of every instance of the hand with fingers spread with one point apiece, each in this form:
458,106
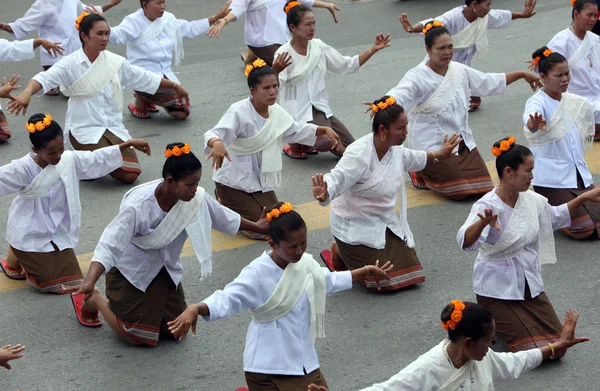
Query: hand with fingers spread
446,151
53,48
377,272
536,122
215,30
369,109
405,23
218,153
282,61
534,81
531,66
529,9
319,188
19,104
568,338
489,218
181,325
9,86
10,352
381,42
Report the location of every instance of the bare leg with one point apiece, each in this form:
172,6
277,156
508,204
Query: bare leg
97,302
4,128
249,57
577,236
140,103
126,177
13,262
336,257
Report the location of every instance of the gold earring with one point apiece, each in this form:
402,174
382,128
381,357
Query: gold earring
383,137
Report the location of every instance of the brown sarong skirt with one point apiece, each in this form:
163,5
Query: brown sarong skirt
49,271
464,174
524,324
165,98
320,119
586,218
266,382
248,205
266,53
144,315
407,269
130,160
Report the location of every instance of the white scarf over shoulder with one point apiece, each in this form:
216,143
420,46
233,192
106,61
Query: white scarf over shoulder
48,177
452,84
481,369
166,22
301,72
269,141
103,71
304,276
572,109
589,47
193,217
530,218
474,34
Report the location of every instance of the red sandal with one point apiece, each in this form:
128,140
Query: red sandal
5,268
77,301
293,154
417,181
136,113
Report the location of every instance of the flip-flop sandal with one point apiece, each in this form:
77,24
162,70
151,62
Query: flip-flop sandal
417,182
309,150
136,113
151,108
52,92
5,267
294,155
77,304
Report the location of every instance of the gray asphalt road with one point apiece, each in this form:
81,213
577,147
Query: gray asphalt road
370,337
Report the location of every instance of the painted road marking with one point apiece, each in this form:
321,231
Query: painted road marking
316,217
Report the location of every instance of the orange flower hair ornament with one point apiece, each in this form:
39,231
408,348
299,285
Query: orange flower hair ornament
259,63
39,125
430,25
275,213
455,317
291,5
80,19
573,3
178,151
505,145
383,104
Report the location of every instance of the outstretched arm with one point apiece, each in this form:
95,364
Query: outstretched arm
528,10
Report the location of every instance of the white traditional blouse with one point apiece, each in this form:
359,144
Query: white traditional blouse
16,50
33,224
505,280
139,216
265,24
299,100
155,55
556,164
88,118
283,346
242,121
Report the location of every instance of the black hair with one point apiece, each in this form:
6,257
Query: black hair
547,63
469,2
388,116
40,138
179,167
142,2
87,24
256,76
579,5
295,14
475,323
513,158
433,33
282,227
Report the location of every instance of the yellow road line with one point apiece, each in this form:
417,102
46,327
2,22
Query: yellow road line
316,217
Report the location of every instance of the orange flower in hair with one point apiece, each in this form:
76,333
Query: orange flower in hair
30,127
505,145
430,25
291,5
275,213
80,19
178,151
511,140
258,63
455,317
536,61
573,3
547,52
496,151
384,104
39,125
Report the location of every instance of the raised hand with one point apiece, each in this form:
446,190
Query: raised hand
53,48
319,188
9,86
405,23
381,42
529,8
19,104
445,152
282,61
332,8
537,121
10,352
181,325
490,218
534,81
531,65
568,338
223,11
379,272
217,154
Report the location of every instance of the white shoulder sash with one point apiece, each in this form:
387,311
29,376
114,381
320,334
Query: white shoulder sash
301,72
269,140
193,217
166,22
588,47
103,71
304,276
530,218
573,109
452,84
481,369
46,179
474,34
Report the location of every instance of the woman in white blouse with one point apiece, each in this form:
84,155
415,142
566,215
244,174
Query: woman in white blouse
93,77
581,47
246,144
302,82
265,29
285,289
468,25
363,189
45,216
560,128
140,250
154,37
512,228
465,362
